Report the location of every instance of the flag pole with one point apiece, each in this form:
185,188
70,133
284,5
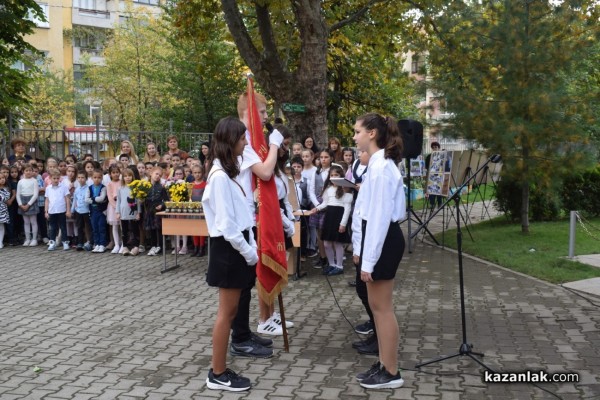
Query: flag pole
286,344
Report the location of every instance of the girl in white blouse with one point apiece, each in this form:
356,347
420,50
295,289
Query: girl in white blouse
378,243
337,204
232,244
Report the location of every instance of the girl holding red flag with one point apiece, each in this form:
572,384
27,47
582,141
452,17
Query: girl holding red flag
232,245
378,243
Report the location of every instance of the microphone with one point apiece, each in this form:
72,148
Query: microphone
496,158
269,127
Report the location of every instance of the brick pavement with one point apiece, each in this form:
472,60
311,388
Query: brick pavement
101,326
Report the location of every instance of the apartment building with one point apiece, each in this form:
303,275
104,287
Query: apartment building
75,28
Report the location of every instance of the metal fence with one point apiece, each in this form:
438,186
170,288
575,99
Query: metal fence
100,142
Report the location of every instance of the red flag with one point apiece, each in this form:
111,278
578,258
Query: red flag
271,270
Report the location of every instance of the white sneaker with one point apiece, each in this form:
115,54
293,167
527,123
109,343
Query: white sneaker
51,245
95,249
152,251
33,243
277,319
66,246
101,249
123,250
141,248
270,328
115,250
26,243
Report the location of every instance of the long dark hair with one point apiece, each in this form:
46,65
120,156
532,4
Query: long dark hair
339,192
388,134
201,156
228,132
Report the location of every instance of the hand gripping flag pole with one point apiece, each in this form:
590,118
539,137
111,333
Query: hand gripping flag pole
271,270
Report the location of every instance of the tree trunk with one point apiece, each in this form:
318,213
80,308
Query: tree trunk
307,85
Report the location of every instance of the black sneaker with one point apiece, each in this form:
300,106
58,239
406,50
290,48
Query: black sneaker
383,380
228,380
321,262
261,340
312,253
361,376
250,348
364,328
368,341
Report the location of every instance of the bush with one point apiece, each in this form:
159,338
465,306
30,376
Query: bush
544,204
581,192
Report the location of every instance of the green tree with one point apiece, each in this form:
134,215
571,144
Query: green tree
50,103
205,75
14,85
132,84
286,43
505,69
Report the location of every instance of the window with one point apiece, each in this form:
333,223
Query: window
28,61
149,2
86,4
78,72
417,63
39,23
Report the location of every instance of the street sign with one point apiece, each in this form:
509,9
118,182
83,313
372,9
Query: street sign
290,107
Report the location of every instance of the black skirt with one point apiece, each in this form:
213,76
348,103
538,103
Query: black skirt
391,253
331,225
227,268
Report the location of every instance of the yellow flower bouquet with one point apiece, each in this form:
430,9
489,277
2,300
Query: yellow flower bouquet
179,191
140,189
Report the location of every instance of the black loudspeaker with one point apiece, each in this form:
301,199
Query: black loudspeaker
412,137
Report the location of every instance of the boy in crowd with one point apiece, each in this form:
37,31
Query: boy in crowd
81,212
58,208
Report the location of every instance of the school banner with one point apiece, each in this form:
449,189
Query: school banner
271,270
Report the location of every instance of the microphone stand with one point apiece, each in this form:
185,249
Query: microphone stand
465,349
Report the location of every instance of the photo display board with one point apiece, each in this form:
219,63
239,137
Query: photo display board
438,178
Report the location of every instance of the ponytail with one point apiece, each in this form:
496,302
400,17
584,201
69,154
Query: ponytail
388,134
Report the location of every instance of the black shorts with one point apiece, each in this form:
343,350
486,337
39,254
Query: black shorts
227,268
391,253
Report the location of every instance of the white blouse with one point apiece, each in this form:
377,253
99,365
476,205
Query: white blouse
345,201
227,212
380,201
28,187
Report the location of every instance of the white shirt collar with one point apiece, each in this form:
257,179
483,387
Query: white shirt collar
379,154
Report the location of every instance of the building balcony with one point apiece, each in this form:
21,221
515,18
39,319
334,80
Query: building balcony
94,18
95,55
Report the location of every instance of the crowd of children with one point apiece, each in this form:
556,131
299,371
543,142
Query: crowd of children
88,206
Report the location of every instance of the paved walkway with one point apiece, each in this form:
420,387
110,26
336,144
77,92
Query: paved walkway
80,325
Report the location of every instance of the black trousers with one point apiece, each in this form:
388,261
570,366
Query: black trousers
42,222
361,291
84,228
130,229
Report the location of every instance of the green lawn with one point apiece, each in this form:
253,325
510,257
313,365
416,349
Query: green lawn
485,191
539,254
